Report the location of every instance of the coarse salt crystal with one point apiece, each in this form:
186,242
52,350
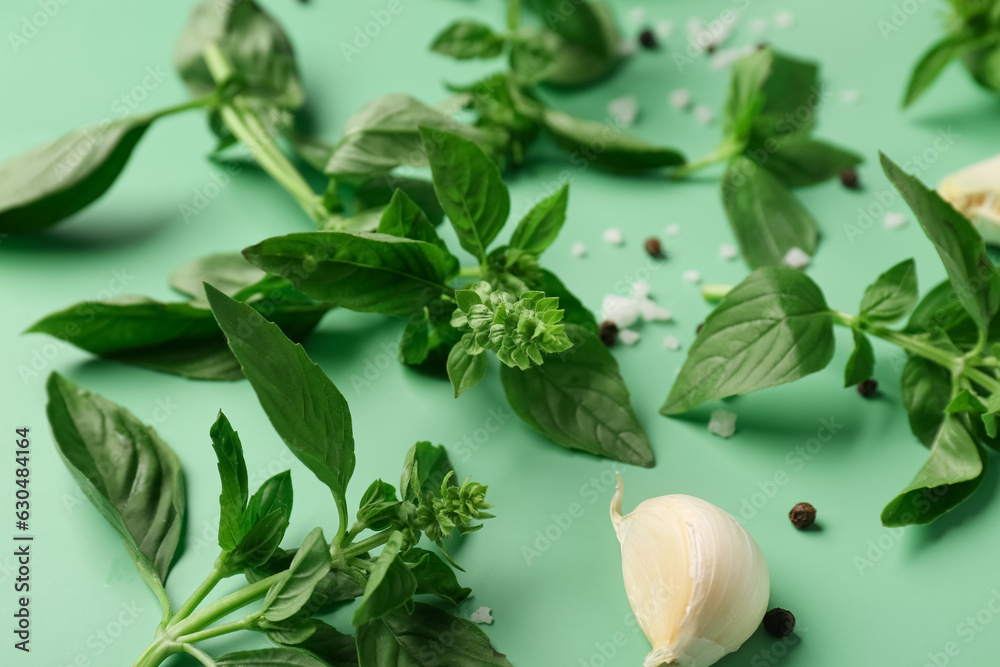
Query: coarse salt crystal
482,615
672,230
758,25
664,29
784,19
622,310
624,109
894,220
628,337
613,235
637,16
680,98
627,47
703,114
671,343
728,251
850,96
640,289
796,258
722,423
692,276
578,249
653,312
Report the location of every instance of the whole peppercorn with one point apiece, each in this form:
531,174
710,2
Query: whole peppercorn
608,332
779,622
868,388
802,516
654,247
849,178
648,40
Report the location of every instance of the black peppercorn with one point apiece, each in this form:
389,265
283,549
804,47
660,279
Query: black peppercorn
654,248
711,48
802,516
608,332
779,622
648,40
868,388
849,178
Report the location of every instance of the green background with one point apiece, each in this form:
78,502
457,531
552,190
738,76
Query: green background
862,594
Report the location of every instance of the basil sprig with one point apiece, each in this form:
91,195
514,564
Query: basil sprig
775,327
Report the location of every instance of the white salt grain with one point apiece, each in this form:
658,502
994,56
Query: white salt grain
624,109
722,423
726,57
622,310
628,337
758,25
640,289
636,16
850,96
664,29
627,47
482,615
894,220
578,249
796,258
653,312
784,19
703,114
680,98
728,251
692,276
672,230
671,343
613,235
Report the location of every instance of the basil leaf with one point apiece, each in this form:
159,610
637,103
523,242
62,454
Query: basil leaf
941,310
469,188
304,406
791,86
926,390
309,566
964,401
332,591
464,40
772,328
390,584
933,62
56,179
587,44
606,147
378,506
290,632
765,216
576,312
578,400
405,219
229,272
274,494
961,248
358,271
953,471
746,95
424,471
540,226
334,648
131,476
892,295
434,576
265,521
270,657
861,363
414,346
378,192
235,486
401,639
465,370
801,161
254,43
384,134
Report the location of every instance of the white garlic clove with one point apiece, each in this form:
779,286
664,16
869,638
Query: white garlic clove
697,582
975,193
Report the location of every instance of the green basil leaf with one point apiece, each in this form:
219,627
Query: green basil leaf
265,521
304,406
401,639
587,44
331,592
974,277
540,226
424,471
772,328
290,632
578,400
800,161
533,57
926,390
228,272
434,576
253,42
965,401
746,95
892,295
358,271
861,363
606,147
378,192
464,40
402,217
334,648
235,485
933,62
309,566
56,179
469,188
131,476
765,216
940,309
791,86
465,370
384,134
270,657
953,471
378,506
576,312
414,346
390,584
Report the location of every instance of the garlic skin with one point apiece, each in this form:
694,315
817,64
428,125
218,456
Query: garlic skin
697,582
975,193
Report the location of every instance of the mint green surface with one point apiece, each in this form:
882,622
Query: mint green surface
863,595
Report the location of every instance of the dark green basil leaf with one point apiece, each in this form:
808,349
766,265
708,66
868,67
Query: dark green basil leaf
378,506
424,471
973,276
464,40
434,576
270,657
533,57
56,179
540,226
964,401
940,309
933,62
304,406
131,476
469,188
465,370
384,134
253,42
576,312
587,42
414,346
791,86
332,591
229,272
892,295
766,218
606,147
390,584
800,161
578,400
309,566
746,95
235,485
334,648
404,218
953,471
926,390
772,328
289,632
264,521
861,363
402,639
359,271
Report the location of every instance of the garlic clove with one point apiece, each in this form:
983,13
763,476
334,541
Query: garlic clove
696,581
975,193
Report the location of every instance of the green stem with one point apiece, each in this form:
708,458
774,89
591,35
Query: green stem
207,101
199,655
156,653
153,582
225,606
365,545
244,623
726,150
470,272
218,573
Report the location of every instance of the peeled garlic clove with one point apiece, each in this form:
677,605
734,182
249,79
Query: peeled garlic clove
696,581
975,193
